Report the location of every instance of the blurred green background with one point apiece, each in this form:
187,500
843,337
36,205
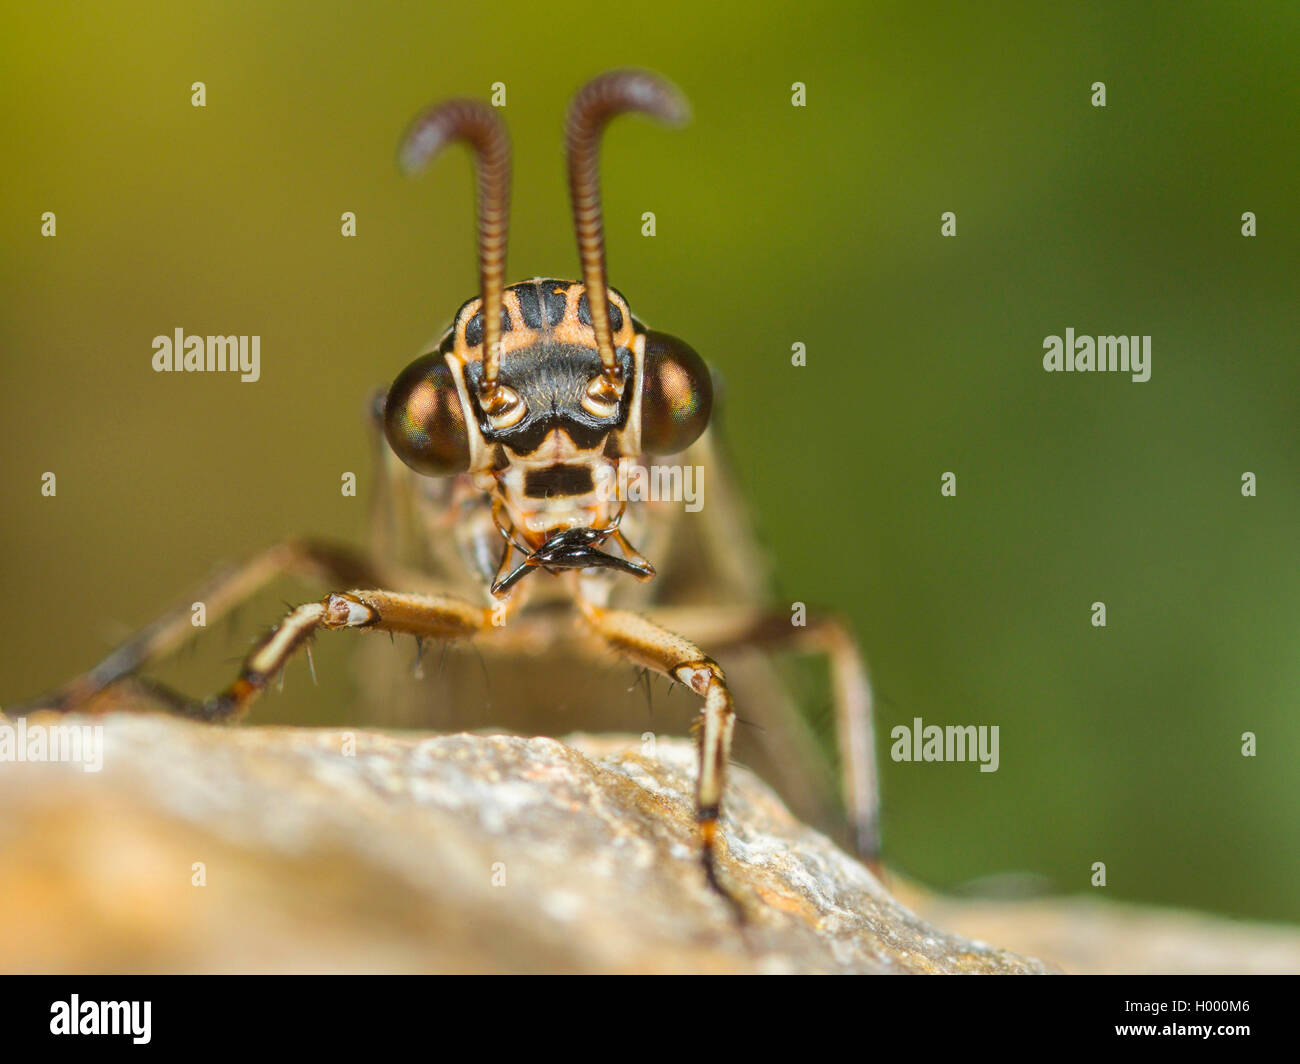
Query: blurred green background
775,225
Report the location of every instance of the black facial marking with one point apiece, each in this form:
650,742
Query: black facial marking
556,301
529,306
558,480
474,327
551,379
542,306
615,315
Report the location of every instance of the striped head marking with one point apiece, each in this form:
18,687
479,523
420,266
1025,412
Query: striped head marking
550,368
538,389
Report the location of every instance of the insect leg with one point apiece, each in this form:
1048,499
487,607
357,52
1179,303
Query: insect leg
311,558
827,635
657,648
424,616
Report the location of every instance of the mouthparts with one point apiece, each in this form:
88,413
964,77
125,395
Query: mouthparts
571,548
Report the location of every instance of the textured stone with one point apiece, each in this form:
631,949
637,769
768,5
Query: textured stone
329,850
1093,936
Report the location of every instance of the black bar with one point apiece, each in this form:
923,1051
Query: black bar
334,1013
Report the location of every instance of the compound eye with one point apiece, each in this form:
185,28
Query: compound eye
676,395
423,419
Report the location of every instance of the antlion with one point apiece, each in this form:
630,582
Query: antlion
511,430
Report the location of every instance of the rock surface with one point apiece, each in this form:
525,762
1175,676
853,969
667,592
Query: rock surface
1091,936
330,850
